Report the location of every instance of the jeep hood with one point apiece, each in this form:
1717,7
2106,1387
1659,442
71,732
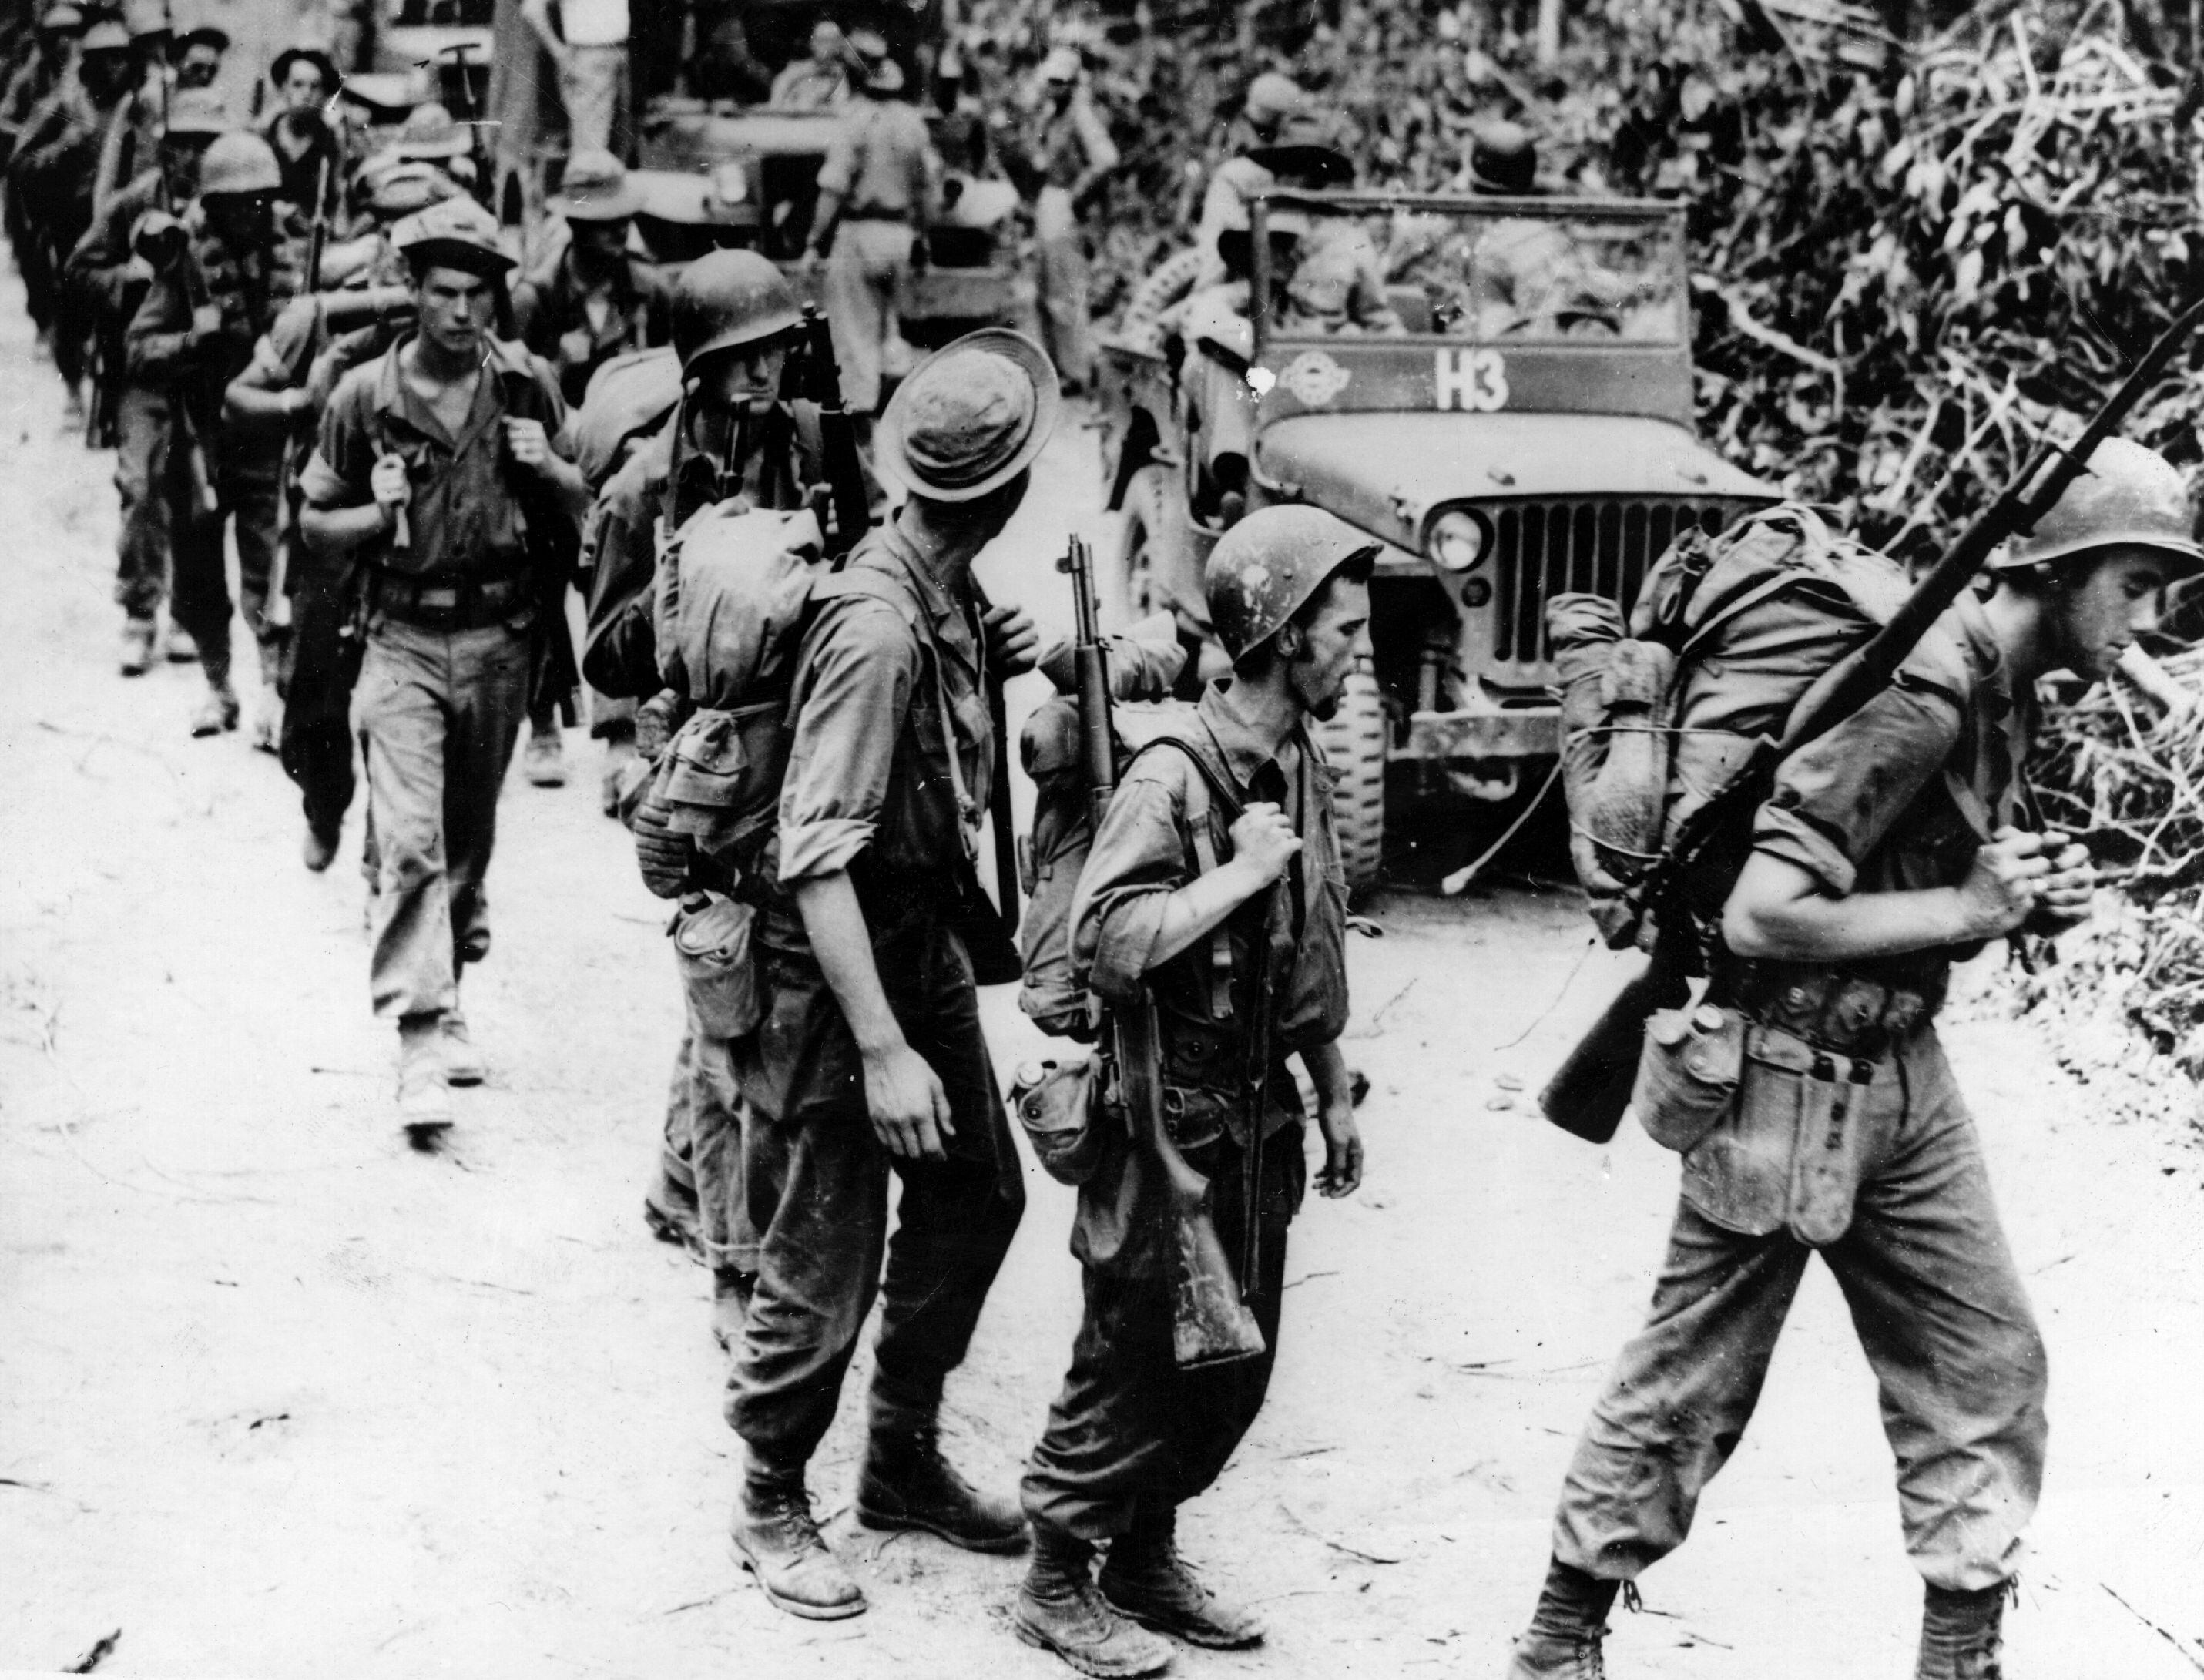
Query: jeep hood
1388,472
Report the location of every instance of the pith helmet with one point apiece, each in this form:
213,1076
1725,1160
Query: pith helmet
458,234
2127,494
730,298
237,164
971,417
1266,568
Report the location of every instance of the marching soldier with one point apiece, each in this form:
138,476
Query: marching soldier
1132,1437
734,321
109,276
440,464
1892,845
879,189
1069,151
233,267
51,54
872,1060
309,151
133,130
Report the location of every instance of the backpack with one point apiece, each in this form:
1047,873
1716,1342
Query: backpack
737,588
1727,635
1143,665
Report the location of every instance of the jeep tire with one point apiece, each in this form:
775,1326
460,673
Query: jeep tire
1353,740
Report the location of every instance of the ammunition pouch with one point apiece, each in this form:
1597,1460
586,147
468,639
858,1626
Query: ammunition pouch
1843,1014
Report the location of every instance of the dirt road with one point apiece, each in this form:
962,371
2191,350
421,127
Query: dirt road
280,1397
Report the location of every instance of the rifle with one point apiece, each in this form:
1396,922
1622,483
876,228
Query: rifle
477,147
838,439
1210,1324
317,237
1586,1096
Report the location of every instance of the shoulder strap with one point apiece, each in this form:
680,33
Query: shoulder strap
1209,783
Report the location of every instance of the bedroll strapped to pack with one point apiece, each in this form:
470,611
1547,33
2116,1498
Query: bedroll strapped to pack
1727,633
1144,663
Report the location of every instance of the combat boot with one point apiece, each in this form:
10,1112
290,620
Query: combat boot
425,1095
777,1540
137,646
545,760
1060,1610
1563,1641
1962,1635
218,713
463,1062
1146,1578
906,1483
318,850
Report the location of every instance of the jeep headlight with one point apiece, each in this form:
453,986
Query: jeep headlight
730,184
1458,540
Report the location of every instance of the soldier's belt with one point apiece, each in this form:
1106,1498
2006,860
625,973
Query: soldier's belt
875,213
1842,1014
446,602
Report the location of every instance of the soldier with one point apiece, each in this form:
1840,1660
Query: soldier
310,152
133,130
879,189
50,187
438,463
1069,153
233,267
1132,1437
109,279
52,53
1891,846
822,79
198,54
286,388
590,301
874,1059
1271,98
734,321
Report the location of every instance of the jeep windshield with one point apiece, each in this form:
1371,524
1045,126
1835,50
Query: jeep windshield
1474,270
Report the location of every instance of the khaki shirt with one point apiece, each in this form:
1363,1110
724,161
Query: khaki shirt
1900,795
882,162
465,515
1145,851
869,788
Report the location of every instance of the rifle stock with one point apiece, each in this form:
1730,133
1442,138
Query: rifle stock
1588,1094
1211,1323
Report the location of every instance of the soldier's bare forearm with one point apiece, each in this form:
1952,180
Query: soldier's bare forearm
835,923
338,531
1779,911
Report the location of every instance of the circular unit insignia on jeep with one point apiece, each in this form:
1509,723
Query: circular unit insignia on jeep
1314,379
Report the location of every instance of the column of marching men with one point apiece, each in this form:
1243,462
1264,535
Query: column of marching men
313,348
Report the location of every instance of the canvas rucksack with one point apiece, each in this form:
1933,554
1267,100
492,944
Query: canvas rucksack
1727,635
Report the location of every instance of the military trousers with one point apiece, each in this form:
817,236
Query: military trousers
700,1150
859,288
320,667
815,1179
1131,1435
248,486
1060,278
439,712
1936,1301
141,575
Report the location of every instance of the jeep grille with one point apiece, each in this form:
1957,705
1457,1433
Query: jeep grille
1541,549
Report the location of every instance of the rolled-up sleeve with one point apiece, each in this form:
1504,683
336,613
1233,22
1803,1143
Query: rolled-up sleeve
1834,801
1138,860
853,681
338,472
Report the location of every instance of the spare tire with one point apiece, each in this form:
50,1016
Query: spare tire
1165,284
1353,740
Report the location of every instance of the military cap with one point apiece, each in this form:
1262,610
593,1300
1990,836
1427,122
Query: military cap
431,131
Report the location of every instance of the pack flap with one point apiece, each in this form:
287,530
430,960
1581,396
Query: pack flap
734,589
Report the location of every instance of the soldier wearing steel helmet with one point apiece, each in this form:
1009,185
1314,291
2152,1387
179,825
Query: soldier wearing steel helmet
1132,1436
438,465
734,320
234,267
1899,841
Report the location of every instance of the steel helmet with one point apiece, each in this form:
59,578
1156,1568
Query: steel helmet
1266,568
730,298
2126,494
239,164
